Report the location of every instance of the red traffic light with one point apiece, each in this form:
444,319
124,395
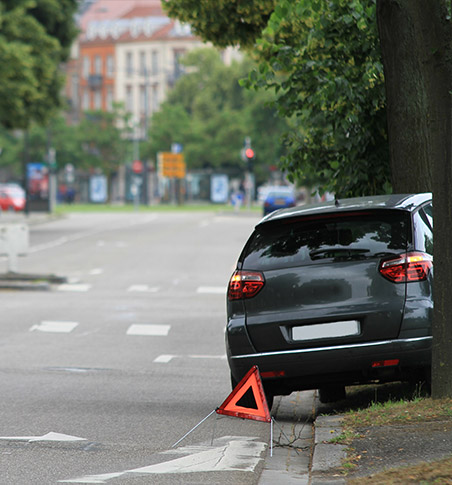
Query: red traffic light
137,166
249,153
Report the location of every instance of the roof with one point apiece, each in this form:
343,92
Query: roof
408,202
109,10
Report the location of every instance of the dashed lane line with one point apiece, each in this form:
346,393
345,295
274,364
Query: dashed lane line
77,287
166,358
54,326
143,288
149,330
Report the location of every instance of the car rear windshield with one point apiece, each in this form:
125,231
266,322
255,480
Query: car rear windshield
313,240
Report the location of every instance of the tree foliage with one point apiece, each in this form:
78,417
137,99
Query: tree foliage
223,22
210,114
97,143
321,61
103,144
35,37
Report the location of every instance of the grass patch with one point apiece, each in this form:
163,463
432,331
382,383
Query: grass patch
400,412
435,473
385,405
68,208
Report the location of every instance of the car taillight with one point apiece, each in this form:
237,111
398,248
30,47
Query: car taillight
407,267
245,284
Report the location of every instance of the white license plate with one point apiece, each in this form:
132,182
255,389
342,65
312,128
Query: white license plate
326,330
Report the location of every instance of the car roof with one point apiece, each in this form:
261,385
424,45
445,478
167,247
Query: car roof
272,192
407,202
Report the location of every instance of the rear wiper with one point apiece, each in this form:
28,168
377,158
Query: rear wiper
337,253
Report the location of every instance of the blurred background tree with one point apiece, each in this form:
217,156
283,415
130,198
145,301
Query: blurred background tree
35,37
210,114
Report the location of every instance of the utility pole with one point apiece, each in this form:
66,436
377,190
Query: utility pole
248,155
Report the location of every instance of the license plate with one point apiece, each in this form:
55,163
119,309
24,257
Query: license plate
280,201
326,330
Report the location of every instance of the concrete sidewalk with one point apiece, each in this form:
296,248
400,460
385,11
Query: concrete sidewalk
302,453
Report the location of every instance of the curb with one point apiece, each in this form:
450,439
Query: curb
328,456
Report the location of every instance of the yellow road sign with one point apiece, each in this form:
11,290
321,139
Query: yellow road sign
171,165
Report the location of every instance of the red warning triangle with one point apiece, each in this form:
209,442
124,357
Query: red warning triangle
231,408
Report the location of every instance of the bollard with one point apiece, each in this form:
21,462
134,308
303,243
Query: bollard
14,242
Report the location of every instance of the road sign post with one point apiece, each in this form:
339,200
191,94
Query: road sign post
172,166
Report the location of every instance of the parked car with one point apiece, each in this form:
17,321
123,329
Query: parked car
12,197
334,294
279,198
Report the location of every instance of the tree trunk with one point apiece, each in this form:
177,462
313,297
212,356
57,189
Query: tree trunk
416,48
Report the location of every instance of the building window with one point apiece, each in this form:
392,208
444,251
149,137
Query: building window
97,65
86,67
86,100
178,67
155,97
143,70
74,90
129,99
129,64
143,99
98,99
109,100
110,66
155,62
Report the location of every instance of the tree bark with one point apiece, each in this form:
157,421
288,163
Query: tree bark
416,49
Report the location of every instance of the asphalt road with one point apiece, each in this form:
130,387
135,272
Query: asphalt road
100,377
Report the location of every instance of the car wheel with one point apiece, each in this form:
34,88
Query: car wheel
248,401
331,394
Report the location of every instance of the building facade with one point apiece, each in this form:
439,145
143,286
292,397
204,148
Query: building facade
126,56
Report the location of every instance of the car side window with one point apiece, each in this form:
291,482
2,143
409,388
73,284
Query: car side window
423,226
428,211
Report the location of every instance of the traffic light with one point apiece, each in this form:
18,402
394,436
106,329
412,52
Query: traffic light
249,154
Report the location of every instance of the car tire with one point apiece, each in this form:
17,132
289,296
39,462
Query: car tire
332,394
269,396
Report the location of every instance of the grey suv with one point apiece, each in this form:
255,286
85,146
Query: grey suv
335,294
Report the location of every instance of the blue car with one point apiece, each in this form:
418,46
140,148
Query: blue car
279,199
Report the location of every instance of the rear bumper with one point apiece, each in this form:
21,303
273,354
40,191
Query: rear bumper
343,364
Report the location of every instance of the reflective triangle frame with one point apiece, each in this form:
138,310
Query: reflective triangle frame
251,380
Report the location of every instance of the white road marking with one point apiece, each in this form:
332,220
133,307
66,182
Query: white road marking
73,287
234,453
98,230
164,359
54,326
93,478
143,288
47,437
217,290
96,271
73,280
219,357
147,329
